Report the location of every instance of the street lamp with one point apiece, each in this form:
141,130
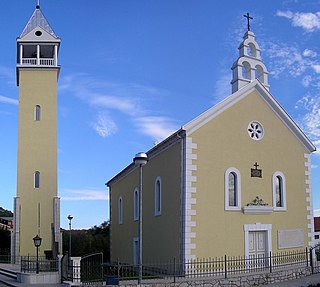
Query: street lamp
70,217
37,242
140,159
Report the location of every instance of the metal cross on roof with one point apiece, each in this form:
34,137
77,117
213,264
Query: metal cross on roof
248,19
38,3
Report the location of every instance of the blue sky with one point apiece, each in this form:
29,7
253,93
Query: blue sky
135,71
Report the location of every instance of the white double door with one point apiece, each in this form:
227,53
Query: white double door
258,248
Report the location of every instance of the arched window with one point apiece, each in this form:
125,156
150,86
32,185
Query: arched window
37,179
259,73
37,113
120,210
279,191
157,196
252,50
246,71
136,204
232,189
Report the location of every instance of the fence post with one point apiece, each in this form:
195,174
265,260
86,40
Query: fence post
118,270
225,267
174,270
311,261
307,256
270,262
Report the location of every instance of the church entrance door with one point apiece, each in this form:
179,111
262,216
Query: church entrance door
258,249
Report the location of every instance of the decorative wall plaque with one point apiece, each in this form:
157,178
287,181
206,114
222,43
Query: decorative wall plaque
255,172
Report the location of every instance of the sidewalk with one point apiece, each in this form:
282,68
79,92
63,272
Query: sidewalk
302,282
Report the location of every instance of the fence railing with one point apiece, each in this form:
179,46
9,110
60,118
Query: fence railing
221,266
29,264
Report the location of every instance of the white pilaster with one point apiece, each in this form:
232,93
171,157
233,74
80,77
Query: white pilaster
309,200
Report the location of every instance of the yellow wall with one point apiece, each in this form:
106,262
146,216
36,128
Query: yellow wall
223,143
37,151
161,234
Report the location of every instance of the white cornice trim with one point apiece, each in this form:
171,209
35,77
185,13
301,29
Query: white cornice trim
213,112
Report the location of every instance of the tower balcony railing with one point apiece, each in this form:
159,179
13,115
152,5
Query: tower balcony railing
41,62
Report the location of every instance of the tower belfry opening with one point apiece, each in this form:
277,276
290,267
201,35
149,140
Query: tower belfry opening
37,205
249,66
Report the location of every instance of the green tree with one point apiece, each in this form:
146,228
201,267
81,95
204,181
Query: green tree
95,239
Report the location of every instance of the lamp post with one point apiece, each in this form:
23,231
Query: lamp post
70,217
37,242
140,159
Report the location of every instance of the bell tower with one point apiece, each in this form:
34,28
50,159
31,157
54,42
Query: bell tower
36,205
249,65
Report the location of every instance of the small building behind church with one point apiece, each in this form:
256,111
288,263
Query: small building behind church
236,180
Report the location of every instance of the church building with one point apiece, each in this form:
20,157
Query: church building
37,205
235,181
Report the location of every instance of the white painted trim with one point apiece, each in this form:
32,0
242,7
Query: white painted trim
226,189
257,227
284,192
157,211
309,202
190,200
255,85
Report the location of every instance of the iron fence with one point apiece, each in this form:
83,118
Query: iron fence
29,264
225,266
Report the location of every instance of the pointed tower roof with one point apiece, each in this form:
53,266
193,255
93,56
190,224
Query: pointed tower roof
38,20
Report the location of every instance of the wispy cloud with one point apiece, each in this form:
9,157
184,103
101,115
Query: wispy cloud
84,194
156,127
308,21
316,213
130,99
222,87
7,100
104,125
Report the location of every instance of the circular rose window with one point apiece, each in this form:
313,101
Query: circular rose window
255,130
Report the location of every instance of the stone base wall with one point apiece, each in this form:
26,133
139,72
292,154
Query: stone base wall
236,281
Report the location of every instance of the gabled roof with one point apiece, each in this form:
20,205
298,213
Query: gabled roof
242,93
38,20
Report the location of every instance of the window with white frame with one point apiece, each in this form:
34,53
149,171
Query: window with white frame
157,196
232,189
136,204
279,191
37,179
120,210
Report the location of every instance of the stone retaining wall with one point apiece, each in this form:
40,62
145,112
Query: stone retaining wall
236,281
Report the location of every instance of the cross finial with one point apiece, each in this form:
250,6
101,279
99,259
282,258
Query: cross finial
256,165
38,4
248,19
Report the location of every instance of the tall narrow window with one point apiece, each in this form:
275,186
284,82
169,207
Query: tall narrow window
157,196
37,113
279,191
136,204
37,179
120,211
232,189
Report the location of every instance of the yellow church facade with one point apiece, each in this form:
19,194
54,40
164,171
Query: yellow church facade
234,181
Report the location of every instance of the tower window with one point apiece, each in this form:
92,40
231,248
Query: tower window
37,179
246,71
37,113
